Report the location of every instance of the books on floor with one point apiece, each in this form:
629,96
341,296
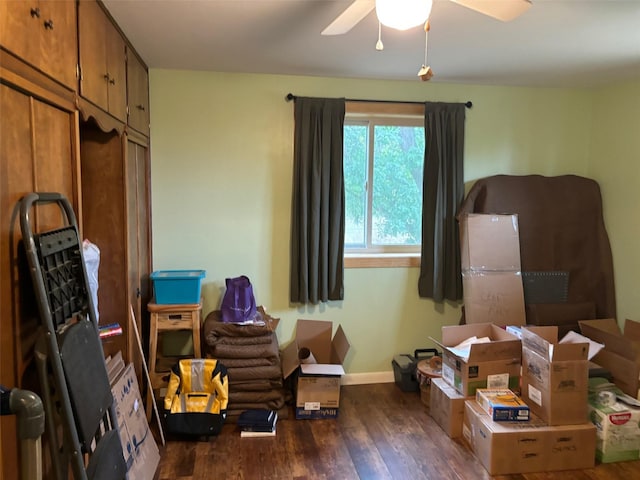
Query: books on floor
249,434
258,423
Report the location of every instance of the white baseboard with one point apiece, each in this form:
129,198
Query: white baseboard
365,378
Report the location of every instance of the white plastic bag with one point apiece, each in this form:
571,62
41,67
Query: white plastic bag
91,255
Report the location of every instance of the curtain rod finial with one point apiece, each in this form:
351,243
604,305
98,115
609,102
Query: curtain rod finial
469,104
289,97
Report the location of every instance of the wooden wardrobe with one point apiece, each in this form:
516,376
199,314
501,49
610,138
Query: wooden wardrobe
74,119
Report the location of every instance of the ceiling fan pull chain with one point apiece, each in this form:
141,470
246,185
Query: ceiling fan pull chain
425,73
379,45
427,27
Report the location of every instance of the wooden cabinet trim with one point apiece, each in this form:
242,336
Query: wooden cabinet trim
105,121
19,75
136,137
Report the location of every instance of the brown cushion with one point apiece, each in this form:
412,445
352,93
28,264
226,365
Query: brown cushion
564,315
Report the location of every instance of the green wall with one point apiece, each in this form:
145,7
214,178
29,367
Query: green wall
222,148
615,164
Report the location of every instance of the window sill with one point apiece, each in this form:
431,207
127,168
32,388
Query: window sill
381,260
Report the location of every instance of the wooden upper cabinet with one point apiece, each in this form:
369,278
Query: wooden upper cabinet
43,34
137,94
103,73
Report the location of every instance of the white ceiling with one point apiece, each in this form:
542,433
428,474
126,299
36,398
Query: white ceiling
555,43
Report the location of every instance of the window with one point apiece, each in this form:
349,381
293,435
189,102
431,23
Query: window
383,169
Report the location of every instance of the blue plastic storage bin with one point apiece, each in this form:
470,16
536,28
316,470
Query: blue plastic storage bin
177,286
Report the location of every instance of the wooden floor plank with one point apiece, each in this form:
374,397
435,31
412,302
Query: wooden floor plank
381,433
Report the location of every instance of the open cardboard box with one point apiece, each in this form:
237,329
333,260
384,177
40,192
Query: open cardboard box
621,352
554,376
317,386
489,365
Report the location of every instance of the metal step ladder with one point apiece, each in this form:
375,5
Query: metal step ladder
69,357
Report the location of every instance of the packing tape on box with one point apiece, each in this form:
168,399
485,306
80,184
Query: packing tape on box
606,398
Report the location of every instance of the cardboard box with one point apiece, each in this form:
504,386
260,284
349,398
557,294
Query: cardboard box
447,407
554,376
489,242
317,384
138,445
618,431
489,365
502,405
621,352
317,396
493,297
524,447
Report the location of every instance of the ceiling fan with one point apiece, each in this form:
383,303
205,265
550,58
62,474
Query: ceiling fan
504,10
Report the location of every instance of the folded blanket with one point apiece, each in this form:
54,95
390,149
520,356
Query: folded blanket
255,385
214,339
255,397
254,373
214,328
268,405
249,362
262,350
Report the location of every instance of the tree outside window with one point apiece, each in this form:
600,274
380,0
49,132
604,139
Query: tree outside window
383,165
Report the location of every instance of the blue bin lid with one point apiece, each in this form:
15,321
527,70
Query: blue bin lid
177,274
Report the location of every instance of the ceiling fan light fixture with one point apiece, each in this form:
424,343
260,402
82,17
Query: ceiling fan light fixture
403,14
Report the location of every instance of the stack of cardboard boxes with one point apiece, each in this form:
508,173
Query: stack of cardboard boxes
491,271
550,377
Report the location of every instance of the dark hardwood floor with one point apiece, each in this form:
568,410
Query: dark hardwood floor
381,433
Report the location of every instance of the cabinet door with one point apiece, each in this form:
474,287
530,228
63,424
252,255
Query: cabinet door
36,154
19,29
139,239
137,94
58,41
116,66
92,35
42,33
102,60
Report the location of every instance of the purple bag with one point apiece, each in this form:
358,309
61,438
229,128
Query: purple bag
238,302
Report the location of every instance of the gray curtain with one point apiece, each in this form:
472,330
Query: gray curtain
317,223
443,193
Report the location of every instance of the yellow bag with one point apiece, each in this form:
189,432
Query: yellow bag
197,397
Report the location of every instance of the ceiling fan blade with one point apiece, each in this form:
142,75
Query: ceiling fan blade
504,10
350,17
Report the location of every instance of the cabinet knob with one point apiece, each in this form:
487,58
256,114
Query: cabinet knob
140,107
35,12
48,24
106,77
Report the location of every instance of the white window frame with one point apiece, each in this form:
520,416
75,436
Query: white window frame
372,114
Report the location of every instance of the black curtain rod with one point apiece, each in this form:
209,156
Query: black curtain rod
291,96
